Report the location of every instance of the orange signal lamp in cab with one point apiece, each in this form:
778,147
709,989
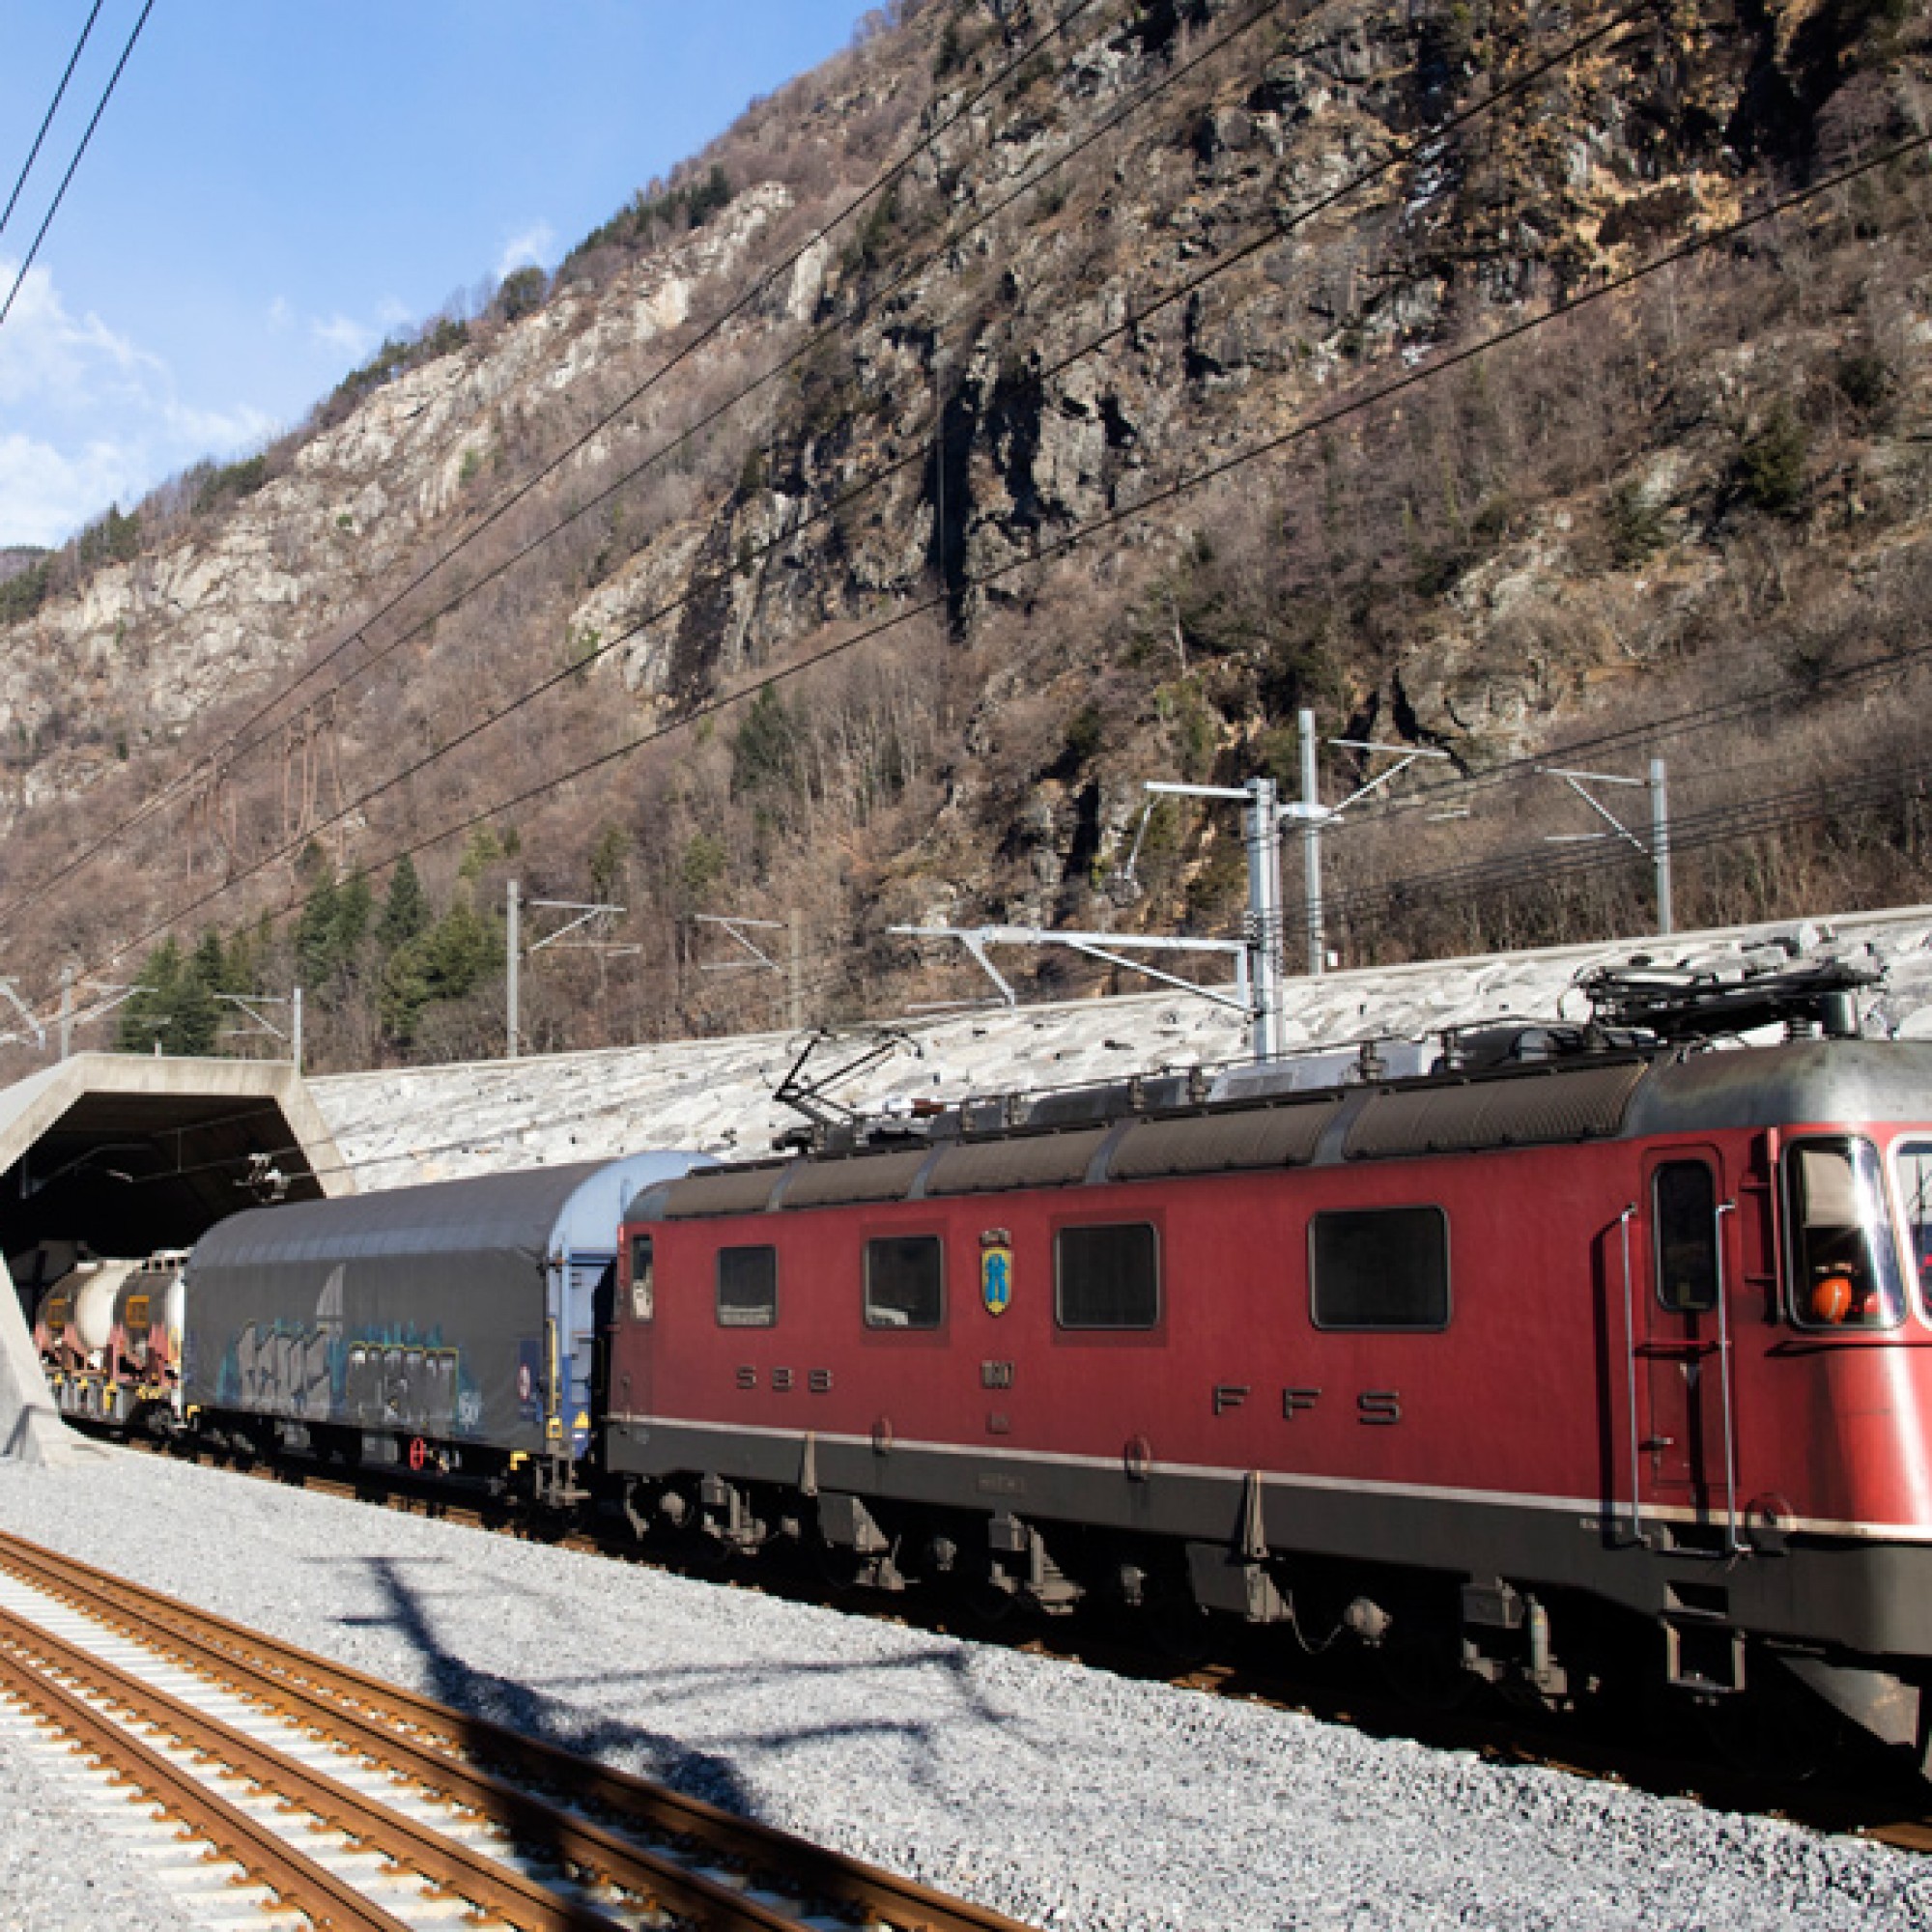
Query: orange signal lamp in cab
1831,1298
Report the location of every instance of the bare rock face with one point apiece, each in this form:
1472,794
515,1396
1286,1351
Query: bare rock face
166,638
1142,258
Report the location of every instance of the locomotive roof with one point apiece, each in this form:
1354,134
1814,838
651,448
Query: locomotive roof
1135,1131
1792,1084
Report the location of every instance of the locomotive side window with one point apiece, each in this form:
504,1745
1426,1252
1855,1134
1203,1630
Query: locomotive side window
1107,1277
904,1282
643,1279
1915,1189
1379,1267
1684,1226
1845,1268
747,1288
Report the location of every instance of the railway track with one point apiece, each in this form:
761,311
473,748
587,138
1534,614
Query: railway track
349,1804
1888,1809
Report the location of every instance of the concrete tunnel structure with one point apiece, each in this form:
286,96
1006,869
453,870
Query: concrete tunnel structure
120,1154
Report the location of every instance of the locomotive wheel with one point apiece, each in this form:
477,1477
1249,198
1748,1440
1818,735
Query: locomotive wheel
1773,1730
836,1568
1424,1667
1181,1630
986,1607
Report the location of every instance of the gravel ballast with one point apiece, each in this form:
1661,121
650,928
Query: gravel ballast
1064,1796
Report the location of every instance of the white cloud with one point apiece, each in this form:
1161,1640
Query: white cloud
534,244
92,419
392,312
47,494
281,313
56,361
352,339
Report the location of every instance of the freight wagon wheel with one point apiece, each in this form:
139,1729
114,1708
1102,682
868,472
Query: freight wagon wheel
705,1555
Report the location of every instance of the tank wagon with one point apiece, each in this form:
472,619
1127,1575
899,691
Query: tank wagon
455,1328
1591,1357
109,1338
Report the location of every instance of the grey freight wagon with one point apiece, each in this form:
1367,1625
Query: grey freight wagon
454,1328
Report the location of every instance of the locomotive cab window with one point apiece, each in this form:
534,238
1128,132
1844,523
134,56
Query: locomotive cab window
1914,1192
1684,1230
1107,1277
1843,1265
904,1282
747,1288
1379,1267
643,1279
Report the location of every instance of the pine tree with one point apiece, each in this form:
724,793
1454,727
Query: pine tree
403,994
213,965
355,903
146,1012
316,934
194,1026
460,950
765,753
610,864
173,1006
405,912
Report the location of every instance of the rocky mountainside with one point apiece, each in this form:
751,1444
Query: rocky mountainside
1146,405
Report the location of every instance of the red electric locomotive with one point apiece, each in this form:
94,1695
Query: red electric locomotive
1589,1349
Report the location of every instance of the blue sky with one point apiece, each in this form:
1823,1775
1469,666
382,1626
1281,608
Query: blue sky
277,184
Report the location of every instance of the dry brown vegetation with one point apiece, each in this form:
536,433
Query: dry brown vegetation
1669,523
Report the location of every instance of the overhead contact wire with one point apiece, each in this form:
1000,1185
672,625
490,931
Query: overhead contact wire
1689,831
238,744
60,194
60,93
1662,730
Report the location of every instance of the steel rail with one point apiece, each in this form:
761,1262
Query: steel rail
433,1741
1883,1814
449,1865
331,1904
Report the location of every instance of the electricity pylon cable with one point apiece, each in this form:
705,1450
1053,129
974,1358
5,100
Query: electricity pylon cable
232,745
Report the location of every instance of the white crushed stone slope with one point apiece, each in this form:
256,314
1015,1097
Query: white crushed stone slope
438,1122
1065,1797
